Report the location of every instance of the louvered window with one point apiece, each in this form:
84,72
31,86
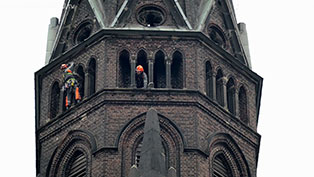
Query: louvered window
221,167
77,166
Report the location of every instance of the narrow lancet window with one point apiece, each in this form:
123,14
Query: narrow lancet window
219,88
125,69
177,70
231,96
208,80
92,76
160,70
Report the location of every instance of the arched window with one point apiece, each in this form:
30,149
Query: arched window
219,88
142,60
243,105
77,165
231,96
160,70
125,69
54,100
177,70
208,80
81,80
221,167
92,76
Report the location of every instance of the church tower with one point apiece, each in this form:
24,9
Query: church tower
197,117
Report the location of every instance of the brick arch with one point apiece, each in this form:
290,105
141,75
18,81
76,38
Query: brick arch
130,134
76,140
222,143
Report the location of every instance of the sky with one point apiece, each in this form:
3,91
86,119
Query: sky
281,39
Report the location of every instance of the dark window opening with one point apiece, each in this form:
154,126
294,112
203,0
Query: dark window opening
243,105
142,60
160,70
125,69
231,96
219,88
81,80
221,167
83,32
209,80
217,36
55,100
77,166
177,71
92,76
151,16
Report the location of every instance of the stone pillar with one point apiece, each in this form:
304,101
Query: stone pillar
133,65
168,72
61,103
214,86
86,84
150,71
224,86
236,102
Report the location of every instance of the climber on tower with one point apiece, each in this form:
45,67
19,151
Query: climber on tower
70,84
141,77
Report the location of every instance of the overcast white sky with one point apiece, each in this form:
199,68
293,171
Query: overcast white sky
281,44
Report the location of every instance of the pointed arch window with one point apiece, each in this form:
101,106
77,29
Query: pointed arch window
231,96
160,70
92,76
81,80
54,100
208,80
243,105
219,88
221,167
142,60
177,70
125,69
77,166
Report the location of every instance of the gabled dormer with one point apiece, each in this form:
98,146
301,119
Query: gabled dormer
77,23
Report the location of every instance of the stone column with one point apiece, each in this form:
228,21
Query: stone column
61,102
236,102
168,72
86,84
150,71
133,65
224,86
214,86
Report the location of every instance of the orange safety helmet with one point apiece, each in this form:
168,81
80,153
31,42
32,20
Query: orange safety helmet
64,66
140,68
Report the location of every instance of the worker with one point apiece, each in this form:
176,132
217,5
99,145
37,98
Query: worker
140,77
71,85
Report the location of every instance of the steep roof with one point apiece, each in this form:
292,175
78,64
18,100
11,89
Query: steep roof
167,15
